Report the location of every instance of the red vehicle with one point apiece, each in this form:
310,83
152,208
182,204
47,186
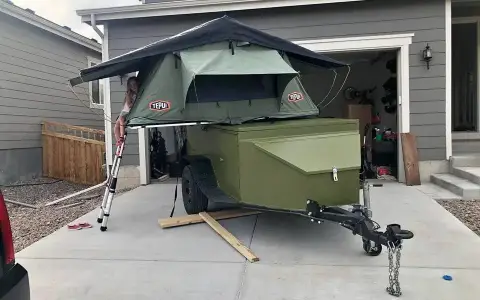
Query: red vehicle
14,281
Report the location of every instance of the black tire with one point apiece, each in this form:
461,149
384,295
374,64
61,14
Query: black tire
370,249
194,200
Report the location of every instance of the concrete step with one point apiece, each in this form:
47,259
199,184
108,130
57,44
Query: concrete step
460,186
466,160
469,173
436,192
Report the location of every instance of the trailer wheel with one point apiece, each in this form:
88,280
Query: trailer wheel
371,248
193,199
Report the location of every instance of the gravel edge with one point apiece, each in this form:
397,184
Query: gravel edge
29,225
467,211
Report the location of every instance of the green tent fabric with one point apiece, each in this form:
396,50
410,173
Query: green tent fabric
217,59
220,83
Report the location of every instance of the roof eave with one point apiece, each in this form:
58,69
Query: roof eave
44,24
186,7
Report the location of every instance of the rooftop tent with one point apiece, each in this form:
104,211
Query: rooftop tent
222,83
221,71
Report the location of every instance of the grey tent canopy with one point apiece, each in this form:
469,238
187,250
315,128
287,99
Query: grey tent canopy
214,31
222,71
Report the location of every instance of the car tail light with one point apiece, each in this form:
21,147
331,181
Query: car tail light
6,231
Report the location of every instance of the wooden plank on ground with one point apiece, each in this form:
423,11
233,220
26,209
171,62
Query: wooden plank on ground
227,236
20,203
194,219
410,159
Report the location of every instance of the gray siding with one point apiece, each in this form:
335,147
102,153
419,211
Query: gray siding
424,18
34,68
20,164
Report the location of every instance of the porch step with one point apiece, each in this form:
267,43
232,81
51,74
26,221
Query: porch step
436,192
469,173
466,160
460,186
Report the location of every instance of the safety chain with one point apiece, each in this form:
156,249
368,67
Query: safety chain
394,288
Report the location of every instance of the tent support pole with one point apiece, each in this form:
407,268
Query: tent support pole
171,125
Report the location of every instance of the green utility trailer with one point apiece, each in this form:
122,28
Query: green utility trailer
281,164
257,141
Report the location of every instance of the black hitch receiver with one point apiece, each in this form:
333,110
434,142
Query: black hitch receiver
359,223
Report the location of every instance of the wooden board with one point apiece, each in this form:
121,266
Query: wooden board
410,159
194,219
360,112
227,236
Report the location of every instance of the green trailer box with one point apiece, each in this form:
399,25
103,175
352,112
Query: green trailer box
281,164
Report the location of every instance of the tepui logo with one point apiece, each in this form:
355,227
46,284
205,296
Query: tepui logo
159,105
295,97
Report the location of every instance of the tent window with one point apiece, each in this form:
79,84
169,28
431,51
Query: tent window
220,88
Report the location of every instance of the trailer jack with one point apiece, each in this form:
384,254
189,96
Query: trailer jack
359,223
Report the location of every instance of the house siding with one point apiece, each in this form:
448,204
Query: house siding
426,19
34,68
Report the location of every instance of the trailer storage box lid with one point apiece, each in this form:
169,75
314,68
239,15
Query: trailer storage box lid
315,154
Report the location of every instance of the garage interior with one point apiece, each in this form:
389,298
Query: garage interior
367,92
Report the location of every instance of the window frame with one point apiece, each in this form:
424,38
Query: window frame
100,105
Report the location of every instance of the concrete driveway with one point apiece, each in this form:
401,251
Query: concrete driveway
299,260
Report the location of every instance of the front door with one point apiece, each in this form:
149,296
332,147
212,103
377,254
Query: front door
465,108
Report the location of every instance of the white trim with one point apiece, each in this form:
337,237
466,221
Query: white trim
400,120
144,157
400,42
44,24
107,107
404,81
448,78
357,43
90,86
185,7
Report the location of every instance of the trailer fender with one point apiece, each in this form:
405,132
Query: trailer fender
204,176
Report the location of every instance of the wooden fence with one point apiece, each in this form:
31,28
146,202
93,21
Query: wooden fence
73,153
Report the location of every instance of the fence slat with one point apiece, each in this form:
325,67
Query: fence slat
45,157
72,161
88,163
61,158
98,162
70,156
66,158
55,158
49,154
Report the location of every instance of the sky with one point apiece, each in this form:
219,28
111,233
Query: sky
63,12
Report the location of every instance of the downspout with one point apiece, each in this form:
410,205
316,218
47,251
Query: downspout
94,26
106,91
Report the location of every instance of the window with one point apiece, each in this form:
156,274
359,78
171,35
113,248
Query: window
95,88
